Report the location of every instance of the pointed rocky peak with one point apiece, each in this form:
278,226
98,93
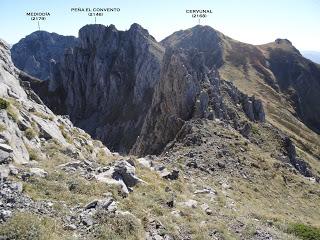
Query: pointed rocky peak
286,44
200,29
137,30
135,27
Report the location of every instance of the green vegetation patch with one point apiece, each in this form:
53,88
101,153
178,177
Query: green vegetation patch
13,113
30,133
3,104
2,127
304,232
72,189
42,115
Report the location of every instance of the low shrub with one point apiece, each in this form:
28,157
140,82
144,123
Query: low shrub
304,232
3,104
30,133
13,113
123,226
2,127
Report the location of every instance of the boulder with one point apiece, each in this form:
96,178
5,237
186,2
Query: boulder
5,214
246,130
145,162
107,204
299,164
173,175
190,203
38,172
258,110
91,204
205,207
4,171
6,148
122,174
253,108
49,130
248,108
5,157
204,191
124,171
70,165
87,219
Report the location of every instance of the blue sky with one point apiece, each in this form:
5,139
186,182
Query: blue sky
251,21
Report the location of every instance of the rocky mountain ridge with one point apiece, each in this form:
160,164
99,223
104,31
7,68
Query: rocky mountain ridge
100,60
99,56
160,91
223,170
44,158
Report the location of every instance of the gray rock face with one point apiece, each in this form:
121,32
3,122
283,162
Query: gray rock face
302,166
49,130
299,78
108,81
254,109
34,53
5,148
122,89
190,87
26,123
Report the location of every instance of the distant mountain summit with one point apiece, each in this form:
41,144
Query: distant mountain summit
34,53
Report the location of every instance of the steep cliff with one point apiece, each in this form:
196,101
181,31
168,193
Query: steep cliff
27,126
190,87
298,78
108,81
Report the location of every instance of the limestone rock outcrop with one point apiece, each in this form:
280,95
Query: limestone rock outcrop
108,80
190,87
27,126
